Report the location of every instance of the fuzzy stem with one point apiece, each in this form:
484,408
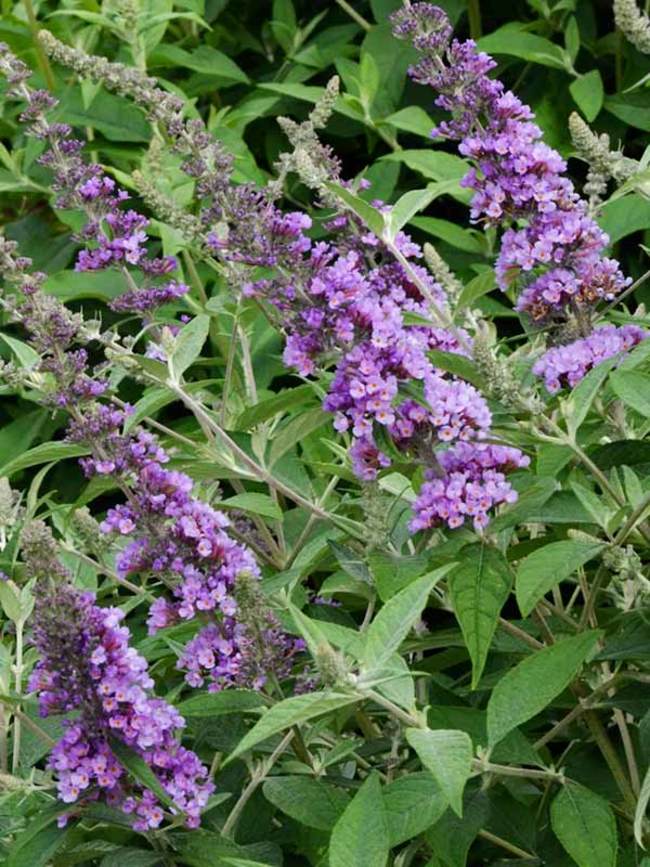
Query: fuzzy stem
258,777
505,845
354,15
474,16
42,57
18,673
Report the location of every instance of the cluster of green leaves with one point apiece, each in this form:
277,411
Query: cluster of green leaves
491,705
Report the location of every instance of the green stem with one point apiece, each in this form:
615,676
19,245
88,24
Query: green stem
483,767
474,15
505,845
354,15
43,60
610,755
212,429
4,759
259,775
230,367
18,673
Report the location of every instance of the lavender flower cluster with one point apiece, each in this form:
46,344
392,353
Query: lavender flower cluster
349,306
551,245
87,665
340,302
175,537
183,542
567,365
472,484
117,237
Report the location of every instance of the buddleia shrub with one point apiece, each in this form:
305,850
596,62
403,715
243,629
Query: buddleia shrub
323,475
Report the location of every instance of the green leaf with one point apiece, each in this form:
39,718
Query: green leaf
411,119
313,803
412,803
479,587
43,454
136,766
408,206
26,356
291,711
279,403
39,841
360,836
77,285
18,435
532,685
641,807
205,59
350,561
393,623
633,388
200,848
451,837
579,401
213,704
130,857
447,754
456,236
621,452
458,365
256,504
631,108
10,601
529,503
585,825
370,216
114,117
446,169
516,43
572,38
621,217
188,345
477,287
588,92
549,565
392,572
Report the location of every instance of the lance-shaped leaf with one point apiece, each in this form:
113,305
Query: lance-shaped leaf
479,587
188,345
291,711
641,807
360,836
585,825
533,684
447,754
391,626
314,803
547,566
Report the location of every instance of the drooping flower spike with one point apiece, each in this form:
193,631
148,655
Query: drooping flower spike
87,668
552,248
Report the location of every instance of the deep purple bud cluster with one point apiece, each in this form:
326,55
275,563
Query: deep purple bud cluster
54,333
565,366
87,665
118,237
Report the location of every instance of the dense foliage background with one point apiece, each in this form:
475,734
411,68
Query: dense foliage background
462,697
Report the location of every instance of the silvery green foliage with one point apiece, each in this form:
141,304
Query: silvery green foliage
324,489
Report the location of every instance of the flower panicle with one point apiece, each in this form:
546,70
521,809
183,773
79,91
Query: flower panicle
113,237
551,248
